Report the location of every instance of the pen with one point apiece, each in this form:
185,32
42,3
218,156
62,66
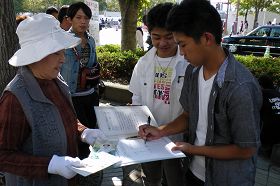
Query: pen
133,137
148,122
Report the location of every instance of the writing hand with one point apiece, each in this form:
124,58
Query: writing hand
148,132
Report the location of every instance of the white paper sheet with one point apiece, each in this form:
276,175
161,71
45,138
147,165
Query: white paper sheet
95,163
136,151
120,122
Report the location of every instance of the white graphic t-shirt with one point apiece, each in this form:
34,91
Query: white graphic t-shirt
162,84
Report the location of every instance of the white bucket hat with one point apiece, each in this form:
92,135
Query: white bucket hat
39,36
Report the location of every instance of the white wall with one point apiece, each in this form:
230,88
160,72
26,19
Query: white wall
263,18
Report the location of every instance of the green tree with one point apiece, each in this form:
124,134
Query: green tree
113,5
102,5
9,41
244,8
255,5
274,7
130,11
18,6
129,14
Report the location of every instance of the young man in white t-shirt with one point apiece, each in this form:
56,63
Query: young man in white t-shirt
221,101
157,81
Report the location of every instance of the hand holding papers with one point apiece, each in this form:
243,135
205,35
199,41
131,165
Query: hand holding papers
95,162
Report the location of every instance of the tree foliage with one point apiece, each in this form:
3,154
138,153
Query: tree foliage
274,7
39,5
113,5
254,5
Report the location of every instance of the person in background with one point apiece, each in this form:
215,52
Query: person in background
221,101
139,37
52,11
20,18
81,71
149,39
246,25
241,28
156,82
62,18
39,129
270,115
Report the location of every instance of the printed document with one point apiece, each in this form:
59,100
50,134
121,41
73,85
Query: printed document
120,125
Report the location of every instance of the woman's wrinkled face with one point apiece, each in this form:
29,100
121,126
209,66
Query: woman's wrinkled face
80,22
48,67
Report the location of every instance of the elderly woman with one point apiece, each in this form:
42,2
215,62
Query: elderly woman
39,129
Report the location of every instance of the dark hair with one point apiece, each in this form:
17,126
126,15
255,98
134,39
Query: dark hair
50,10
20,18
144,20
73,9
157,16
62,13
195,17
266,82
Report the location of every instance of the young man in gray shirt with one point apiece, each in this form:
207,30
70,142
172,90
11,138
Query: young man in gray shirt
221,101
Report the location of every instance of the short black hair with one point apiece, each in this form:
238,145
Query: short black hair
195,17
73,9
50,10
157,16
62,13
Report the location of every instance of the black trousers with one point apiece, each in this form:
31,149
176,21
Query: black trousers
84,107
192,180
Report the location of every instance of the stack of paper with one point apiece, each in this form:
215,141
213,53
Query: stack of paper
121,123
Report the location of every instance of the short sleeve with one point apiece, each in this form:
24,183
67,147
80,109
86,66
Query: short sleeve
244,115
185,89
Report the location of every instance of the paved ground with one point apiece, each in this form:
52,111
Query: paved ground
114,176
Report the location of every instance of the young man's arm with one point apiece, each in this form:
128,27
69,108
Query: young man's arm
174,127
218,152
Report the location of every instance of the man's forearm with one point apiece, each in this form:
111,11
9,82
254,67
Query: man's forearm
176,126
225,152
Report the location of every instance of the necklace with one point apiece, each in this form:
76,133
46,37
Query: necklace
163,69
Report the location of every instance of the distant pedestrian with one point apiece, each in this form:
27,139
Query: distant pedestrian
149,39
241,27
246,25
52,11
232,28
20,18
63,19
139,37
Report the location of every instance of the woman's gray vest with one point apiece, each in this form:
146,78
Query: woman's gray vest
48,135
